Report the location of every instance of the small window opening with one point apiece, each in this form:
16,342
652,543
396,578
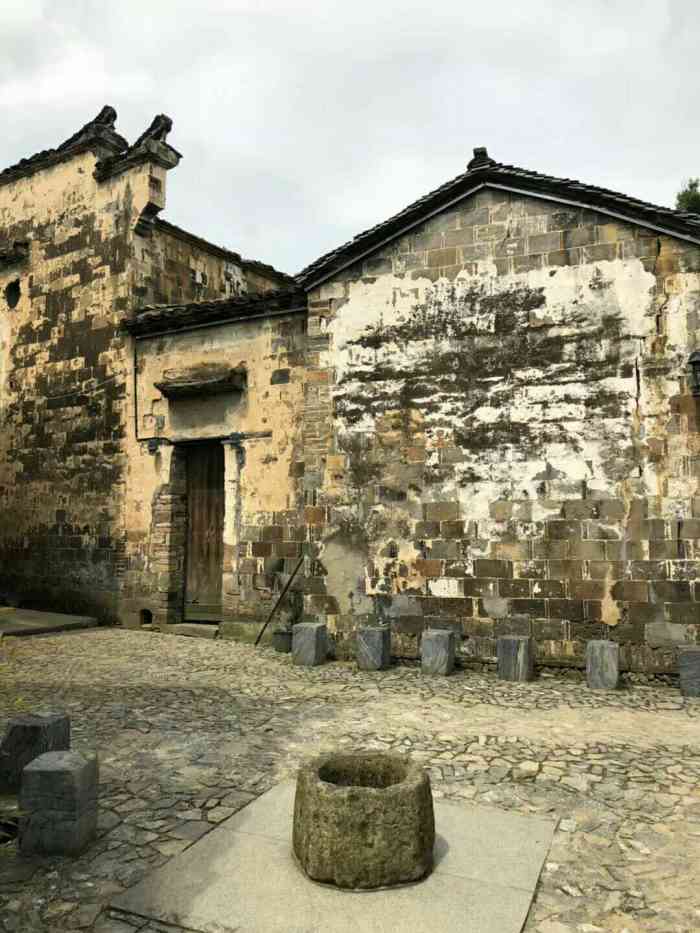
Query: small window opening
12,293
146,617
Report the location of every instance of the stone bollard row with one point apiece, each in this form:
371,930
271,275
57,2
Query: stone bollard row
515,656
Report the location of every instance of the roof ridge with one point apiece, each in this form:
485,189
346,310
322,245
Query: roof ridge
245,298
234,254
101,129
485,171
153,319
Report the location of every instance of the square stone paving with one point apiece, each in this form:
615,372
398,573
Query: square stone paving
242,877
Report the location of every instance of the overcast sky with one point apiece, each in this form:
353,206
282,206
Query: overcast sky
302,123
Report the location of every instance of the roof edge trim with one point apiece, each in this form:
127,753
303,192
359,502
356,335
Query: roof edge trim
221,322
329,274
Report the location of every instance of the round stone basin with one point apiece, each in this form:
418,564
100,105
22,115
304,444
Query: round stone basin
364,820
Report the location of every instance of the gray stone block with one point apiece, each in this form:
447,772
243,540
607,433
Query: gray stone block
437,651
309,643
27,737
282,641
58,800
603,664
689,669
373,650
516,657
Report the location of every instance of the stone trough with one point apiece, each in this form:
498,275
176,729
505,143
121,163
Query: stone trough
364,820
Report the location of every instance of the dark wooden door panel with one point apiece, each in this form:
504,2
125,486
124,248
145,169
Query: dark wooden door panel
205,530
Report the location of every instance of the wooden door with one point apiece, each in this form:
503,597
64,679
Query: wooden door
205,531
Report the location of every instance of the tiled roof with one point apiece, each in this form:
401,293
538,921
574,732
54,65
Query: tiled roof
483,171
158,318
98,131
260,267
263,268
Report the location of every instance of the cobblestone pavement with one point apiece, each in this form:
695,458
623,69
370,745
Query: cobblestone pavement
190,730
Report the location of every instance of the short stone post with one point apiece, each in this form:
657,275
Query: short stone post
28,736
58,803
602,664
516,657
282,640
689,669
373,647
437,651
309,643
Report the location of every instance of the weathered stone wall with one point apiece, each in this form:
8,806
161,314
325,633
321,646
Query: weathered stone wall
173,266
62,385
515,448
261,473
94,252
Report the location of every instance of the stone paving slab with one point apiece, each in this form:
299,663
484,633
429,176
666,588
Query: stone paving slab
31,622
190,730
243,877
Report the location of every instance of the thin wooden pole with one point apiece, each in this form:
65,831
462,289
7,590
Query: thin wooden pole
281,597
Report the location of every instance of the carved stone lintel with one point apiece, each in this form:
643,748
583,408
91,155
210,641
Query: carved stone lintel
200,381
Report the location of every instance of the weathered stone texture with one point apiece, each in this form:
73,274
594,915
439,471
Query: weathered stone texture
263,534
58,800
602,665
373,647
81,247
363,820
26,737
438,648
689,667
515,434
516,656
309,643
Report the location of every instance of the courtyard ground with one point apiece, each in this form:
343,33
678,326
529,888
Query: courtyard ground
190,730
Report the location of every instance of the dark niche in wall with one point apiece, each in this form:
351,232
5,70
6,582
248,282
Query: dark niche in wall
12,293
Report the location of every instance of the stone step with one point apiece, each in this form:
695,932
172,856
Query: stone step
194,630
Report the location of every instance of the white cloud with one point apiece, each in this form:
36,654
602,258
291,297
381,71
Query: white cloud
302,123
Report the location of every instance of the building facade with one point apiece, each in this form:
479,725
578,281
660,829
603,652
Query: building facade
478,414
81,245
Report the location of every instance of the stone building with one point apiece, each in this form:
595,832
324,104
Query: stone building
81,244
479,413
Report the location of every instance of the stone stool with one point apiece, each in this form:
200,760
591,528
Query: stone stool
373,647
28,736
58,802
602,664
437,651
689,669
516,657
309,643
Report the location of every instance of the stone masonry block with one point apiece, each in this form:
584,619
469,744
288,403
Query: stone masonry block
437,651
516,657
58,799
602,664
309,643
689,670
373,647
27,737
